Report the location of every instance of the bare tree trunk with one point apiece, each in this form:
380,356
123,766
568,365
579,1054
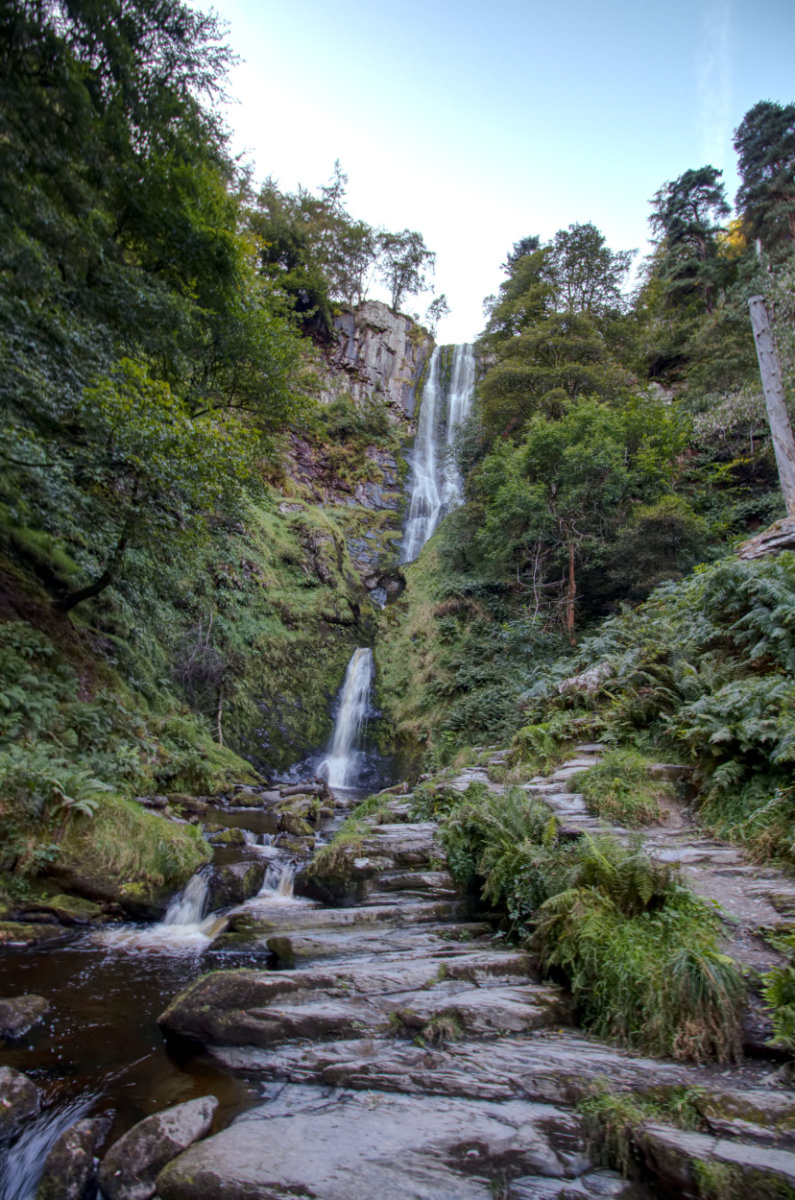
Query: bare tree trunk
571,592
777,415
219,716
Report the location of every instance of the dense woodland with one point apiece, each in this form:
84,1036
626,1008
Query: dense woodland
164,327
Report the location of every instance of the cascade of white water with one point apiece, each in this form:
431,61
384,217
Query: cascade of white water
187,907
339,766
436,485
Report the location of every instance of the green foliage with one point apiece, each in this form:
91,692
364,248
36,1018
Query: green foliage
614,1120
637,949
765,143
687,220
779,994
703,667
619,789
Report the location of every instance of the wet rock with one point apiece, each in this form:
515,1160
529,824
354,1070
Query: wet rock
192,805
295,825
69,1170
672,1156
67,910
25,933
296,846
594,1185
19,1101
19,1014
359,1146
247,797
228,837
234,883
130,1167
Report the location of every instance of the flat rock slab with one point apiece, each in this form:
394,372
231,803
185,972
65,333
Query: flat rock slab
671,1153
558,1067
354,1146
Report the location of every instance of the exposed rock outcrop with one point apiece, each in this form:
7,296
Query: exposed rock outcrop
379,354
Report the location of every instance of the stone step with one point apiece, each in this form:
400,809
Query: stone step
365,1145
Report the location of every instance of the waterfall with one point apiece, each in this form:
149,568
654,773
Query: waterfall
436,485
341,764
187,907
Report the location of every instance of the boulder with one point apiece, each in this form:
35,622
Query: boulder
192,805
132,1164
69,1170
19,1101
290,822
234,883
18,1014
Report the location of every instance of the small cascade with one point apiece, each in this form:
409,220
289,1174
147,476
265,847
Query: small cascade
22,1163
436,485
277,886
184,928
342,765
187,907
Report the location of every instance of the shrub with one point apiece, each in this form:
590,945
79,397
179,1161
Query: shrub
619,789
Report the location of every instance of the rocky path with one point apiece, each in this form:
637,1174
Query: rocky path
404,1054
752,899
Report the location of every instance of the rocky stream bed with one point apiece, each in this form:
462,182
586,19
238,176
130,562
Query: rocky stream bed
375,1038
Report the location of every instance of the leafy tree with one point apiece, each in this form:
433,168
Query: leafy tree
687,219
404,265
587,274
765,143
149,464
436,311
550,505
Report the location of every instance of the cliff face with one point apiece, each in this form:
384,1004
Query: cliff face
379,356
376,364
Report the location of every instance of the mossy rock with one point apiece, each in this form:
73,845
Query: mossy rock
21,932
67,909
293,824
228,837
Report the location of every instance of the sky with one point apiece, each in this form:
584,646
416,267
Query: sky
478,123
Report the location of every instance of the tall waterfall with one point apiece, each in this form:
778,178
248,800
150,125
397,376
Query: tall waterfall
436,485
341,765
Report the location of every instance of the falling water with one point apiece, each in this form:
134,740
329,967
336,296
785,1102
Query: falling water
22,1164
342,762
184,928
187,907
436,485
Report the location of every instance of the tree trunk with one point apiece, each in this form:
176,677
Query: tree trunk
571,592
777,415
68,602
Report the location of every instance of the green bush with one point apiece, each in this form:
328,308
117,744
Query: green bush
620,789
637,949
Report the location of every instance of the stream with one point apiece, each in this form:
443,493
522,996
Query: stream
99,1050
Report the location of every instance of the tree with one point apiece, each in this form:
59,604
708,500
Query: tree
551,503
587,274
404,264
688,221
436,311
765,143
149,464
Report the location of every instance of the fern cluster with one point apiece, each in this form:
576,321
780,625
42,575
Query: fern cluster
703,671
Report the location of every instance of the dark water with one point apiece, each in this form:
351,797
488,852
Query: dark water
101,1036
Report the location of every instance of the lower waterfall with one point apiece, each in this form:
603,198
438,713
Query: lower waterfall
342,764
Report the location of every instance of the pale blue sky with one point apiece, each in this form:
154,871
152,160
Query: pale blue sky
480,123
